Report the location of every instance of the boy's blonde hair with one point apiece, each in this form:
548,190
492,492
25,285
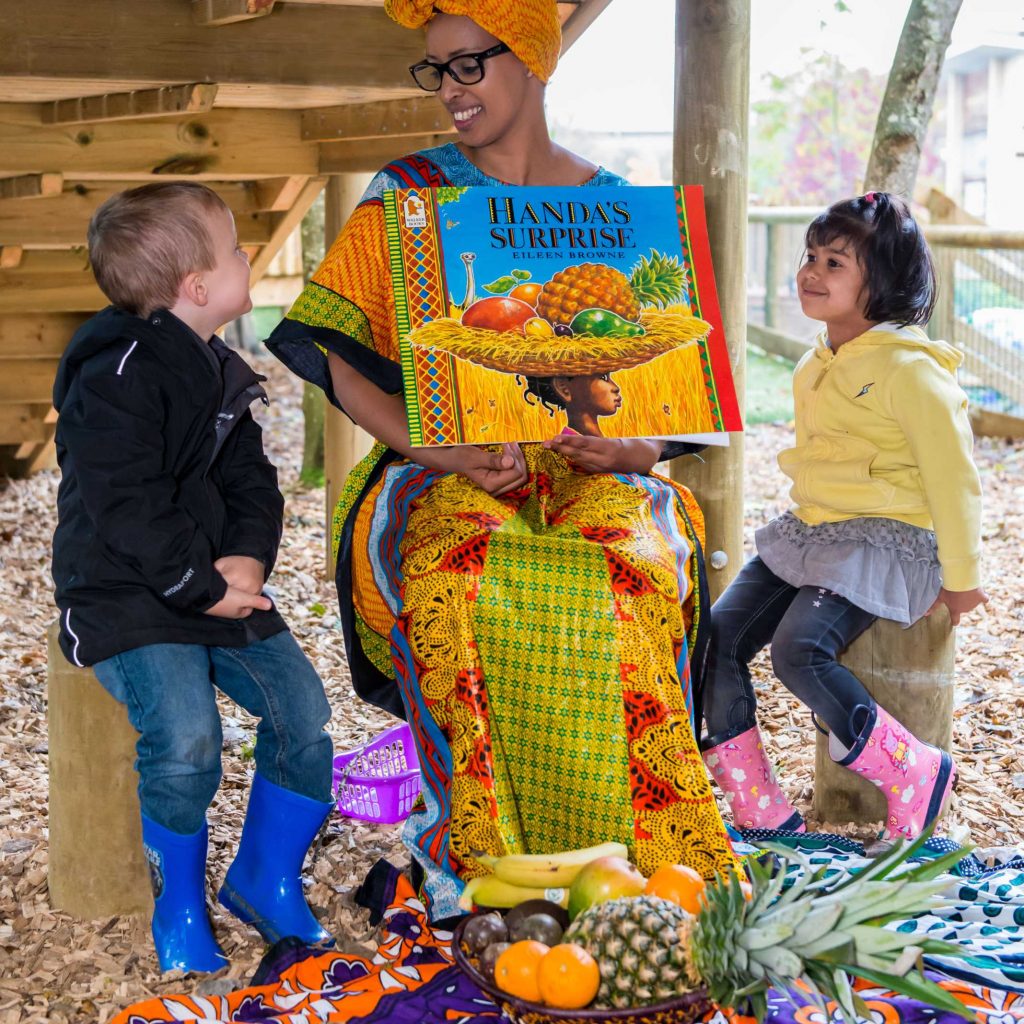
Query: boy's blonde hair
144,242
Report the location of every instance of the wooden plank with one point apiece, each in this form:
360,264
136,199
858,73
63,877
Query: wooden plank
27,379
996,424
164,101
277,194
50,282
579,20
10,256
61,221
358,157
419,116
211,13
223,144
284,225
36,335
22,423
31,186
158,42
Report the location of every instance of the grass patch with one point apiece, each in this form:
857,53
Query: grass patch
769,388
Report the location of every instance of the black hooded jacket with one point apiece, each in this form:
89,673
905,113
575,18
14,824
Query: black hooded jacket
162,473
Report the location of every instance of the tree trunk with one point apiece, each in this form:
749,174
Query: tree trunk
910,96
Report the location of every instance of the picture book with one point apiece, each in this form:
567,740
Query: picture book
525,312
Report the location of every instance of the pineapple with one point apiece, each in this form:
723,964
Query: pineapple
817,931
586,286
655,281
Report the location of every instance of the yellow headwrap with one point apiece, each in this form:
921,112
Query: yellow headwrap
530,28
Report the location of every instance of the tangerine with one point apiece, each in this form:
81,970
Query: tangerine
568,977
679,884
515,971
526,293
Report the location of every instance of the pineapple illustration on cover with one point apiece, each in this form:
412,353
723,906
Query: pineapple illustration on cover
526,312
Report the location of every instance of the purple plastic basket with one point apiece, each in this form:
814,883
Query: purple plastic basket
379,781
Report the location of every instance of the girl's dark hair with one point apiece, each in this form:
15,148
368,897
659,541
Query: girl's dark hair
540,391
889,245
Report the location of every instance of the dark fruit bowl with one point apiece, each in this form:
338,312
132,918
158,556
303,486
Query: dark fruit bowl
685,1009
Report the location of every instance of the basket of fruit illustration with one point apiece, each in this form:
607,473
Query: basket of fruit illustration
380,780
616,947
588,319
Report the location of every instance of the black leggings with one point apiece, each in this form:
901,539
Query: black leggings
808,627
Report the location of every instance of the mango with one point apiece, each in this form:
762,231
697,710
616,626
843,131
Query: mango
603,323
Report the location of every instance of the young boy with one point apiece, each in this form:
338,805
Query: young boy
169,518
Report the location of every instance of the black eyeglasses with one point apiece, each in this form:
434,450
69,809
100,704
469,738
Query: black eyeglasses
466,69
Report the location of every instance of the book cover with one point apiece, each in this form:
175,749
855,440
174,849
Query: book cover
524,312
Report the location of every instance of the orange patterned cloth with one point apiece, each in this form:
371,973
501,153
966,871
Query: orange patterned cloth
530,28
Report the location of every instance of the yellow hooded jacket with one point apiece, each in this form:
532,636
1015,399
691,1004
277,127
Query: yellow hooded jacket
882,430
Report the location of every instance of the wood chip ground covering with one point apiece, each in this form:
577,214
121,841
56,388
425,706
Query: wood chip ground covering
54,968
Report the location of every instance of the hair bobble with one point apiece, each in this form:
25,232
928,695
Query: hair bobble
870,198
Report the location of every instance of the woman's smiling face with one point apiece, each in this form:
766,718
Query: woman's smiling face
484,111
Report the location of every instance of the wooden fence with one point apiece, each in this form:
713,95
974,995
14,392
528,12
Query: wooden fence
980,306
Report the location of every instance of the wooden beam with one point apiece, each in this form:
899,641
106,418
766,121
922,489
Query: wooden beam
10,256
23,422
158,42
284,225
50,282
225,144
712,79
275,195
356,157
211,13
31,186
27,379
61,221
36,335
122,106
388,118
580,20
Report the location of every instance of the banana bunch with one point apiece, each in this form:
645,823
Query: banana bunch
518,877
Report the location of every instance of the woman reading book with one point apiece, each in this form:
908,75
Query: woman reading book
536,612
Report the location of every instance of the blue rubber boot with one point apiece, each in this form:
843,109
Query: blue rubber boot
181,927
263,886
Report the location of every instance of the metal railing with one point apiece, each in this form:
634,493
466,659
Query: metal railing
980,306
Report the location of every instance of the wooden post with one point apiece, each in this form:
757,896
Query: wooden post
771,275
344,443
710,149
910,673
97,867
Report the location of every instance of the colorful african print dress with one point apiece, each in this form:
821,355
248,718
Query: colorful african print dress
542,644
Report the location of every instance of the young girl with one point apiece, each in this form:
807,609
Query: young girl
584,399
886,522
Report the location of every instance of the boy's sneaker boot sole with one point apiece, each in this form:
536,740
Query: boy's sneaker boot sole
181,927
738,763
263,886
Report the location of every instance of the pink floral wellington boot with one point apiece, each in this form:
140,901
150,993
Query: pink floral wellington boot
915,777
741,768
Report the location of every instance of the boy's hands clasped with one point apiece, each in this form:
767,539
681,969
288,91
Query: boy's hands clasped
244,576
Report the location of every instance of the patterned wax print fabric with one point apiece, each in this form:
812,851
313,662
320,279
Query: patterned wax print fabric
412,978
540,644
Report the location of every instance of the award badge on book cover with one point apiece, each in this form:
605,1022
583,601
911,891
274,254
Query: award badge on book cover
524,312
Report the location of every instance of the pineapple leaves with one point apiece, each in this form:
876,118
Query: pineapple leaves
916,987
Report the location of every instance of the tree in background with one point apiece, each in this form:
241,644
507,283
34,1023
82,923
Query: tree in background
906,109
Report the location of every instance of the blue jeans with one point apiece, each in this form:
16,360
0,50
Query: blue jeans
169,690
808,628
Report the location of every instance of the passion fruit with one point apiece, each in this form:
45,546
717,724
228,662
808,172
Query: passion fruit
528,907
483,931
539,927
489,957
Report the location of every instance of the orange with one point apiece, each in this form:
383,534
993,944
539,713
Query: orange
680,884
526,293
515,971
568,976
748,891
